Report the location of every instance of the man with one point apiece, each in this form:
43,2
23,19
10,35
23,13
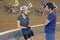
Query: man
50,23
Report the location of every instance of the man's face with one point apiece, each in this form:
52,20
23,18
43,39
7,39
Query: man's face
47,9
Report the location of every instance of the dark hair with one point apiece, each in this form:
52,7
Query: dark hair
50,5
22,11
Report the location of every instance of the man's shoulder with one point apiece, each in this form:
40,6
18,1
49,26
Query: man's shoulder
53,14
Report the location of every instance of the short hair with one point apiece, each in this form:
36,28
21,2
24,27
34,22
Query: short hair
50,5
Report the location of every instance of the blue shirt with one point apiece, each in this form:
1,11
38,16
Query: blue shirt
50,27
0,0
23,22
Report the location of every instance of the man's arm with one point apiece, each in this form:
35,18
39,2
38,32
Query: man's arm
49,19
46,22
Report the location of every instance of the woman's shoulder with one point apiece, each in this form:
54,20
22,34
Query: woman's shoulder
19,17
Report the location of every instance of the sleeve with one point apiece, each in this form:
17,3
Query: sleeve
28,20
51,18
18,18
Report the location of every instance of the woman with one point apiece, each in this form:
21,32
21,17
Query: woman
23,23
0,1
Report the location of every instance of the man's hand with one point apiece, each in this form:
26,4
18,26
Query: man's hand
46,22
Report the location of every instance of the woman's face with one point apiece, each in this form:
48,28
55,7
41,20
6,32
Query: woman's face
26,11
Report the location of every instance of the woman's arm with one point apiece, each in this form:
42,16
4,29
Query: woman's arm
29,23
18,24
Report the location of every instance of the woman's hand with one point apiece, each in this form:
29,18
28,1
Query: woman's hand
23,27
